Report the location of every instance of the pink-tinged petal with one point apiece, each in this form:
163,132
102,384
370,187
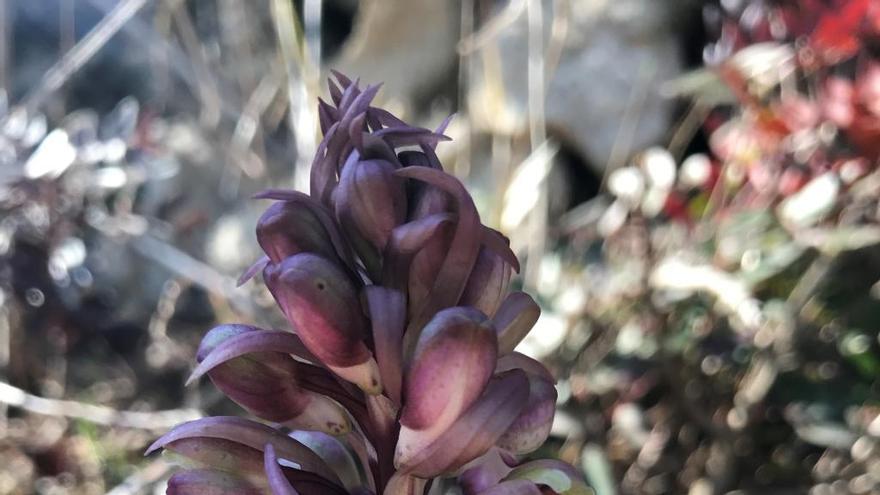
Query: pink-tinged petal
246,340
463,249
322,176
405,242
216,453
517,360
471,436
412,158
487,284
514,319
326,115
532,427
370,201
388,316
442,127
513,487
453,359
252,270
343,250
260,379
278,483
499,244
559,476
356,131
483,472
209,482
402,483
321,302
249,434
387,118
335,91
344,80
287,228
334,453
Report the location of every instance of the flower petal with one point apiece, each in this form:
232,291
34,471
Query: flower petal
248,434
343,250
249,341
488,282
559,476
209,482
277,481
334,453
462,254
514,319
405,242
472,435
453,359
513,487
388,315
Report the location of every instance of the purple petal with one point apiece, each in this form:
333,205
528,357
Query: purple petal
322,304
412,158
514,319
334,453
209,482
472,435
483,472
277,481
322,176
532,427
388,315
443,125
405,242
462,254
387,118
289,227
248,342
500,245
356,131
335,91
487,283
453,360
305,201
516,360
370,201
559,476
344,80
217,453
252,270
265,382
407,135
248,434
326,116
513,487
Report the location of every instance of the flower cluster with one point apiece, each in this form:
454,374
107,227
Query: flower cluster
400,367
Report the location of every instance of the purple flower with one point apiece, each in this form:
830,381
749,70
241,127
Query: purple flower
398,366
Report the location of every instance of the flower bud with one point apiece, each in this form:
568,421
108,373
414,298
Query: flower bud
264,382
209,481
557,476
288,228
321,303
532,427
453,360
370,201
488,282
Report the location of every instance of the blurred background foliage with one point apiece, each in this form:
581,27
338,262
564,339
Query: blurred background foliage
692,186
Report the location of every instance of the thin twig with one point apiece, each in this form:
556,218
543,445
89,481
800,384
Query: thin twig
102,415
